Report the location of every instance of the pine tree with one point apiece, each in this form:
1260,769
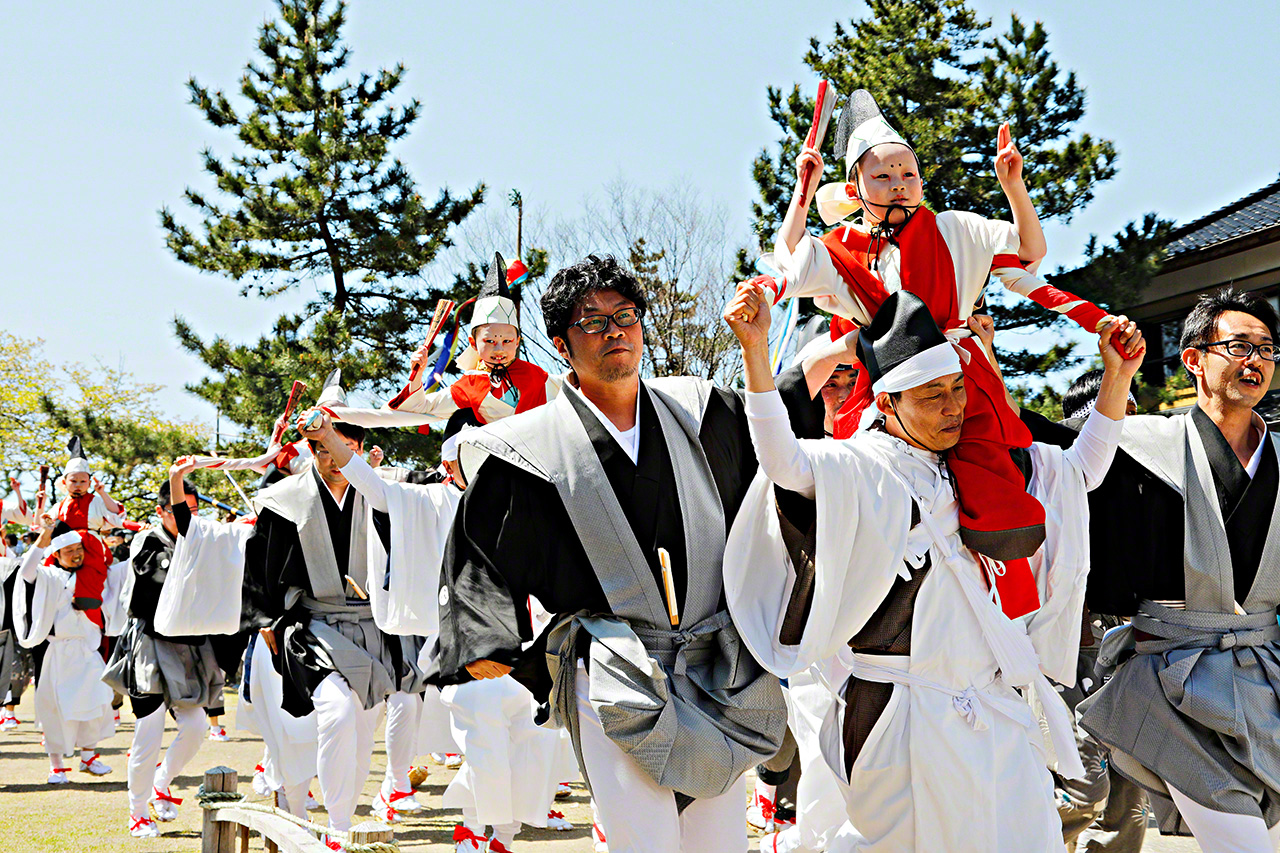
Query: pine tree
947,83
313,194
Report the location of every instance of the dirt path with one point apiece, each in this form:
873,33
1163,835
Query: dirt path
90,814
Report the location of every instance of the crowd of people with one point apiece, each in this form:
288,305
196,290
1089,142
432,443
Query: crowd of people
928,618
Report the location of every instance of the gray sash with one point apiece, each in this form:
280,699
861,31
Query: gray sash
1197,706
690,705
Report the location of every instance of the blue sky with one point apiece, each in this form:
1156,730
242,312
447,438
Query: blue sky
555,99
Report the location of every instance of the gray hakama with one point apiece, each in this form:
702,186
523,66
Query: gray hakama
1194,700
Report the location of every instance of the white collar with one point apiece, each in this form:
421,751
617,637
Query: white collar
628,440
324,490
1256,459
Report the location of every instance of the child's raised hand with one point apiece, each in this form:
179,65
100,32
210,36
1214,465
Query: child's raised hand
808,157
1008,157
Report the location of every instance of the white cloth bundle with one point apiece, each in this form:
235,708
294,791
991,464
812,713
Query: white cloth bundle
201,592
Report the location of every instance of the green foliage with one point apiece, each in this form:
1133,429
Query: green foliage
313,194
129,442
946,81
1115,274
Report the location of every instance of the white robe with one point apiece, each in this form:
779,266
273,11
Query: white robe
72,704
420,517
957,760
201,591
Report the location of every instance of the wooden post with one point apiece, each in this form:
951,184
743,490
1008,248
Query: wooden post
217,837
267,844
368,833
244,838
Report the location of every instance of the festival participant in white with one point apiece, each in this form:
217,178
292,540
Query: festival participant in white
937,747
307,575
613,502
509,776
72,705
161,674
1192,710
9,684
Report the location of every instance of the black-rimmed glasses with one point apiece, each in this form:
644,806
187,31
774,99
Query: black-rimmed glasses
1244,349
595,324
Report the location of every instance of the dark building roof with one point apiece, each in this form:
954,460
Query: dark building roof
1255,212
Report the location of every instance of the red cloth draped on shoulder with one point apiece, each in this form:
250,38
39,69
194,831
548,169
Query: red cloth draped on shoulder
989,486
530,382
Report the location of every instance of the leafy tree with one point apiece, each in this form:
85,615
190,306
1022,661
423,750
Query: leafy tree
129,441
313,194
947,83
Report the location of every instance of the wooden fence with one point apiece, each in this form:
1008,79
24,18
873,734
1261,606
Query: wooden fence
226,818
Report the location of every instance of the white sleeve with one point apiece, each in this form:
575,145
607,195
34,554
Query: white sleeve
777,448
31,564
367,482
1095,447
110,519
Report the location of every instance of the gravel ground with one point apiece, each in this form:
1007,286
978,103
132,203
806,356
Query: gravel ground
89,814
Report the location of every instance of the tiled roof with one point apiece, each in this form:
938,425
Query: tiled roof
1255,212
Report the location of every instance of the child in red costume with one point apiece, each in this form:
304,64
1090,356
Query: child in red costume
946,260
495,385
88,507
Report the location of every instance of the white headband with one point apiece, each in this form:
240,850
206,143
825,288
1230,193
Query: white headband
77,465
449,450
62,541
933,363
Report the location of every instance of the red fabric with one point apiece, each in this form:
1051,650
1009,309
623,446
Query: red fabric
287,454
989,486
165,795
74,510
461,833
91,577
131,525
530,382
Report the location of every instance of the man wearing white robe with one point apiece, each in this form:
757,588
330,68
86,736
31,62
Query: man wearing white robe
509,778
72,705
956,761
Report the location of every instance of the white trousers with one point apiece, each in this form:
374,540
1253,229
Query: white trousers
290,741
509,773
641,817
147,737
403,711
345,747
1220,832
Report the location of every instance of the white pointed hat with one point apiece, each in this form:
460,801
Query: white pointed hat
862,127
332,394
494,305
78,463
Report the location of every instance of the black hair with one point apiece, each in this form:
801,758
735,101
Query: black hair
165,498
11,539
572,284
355,432
1081,392
1202,323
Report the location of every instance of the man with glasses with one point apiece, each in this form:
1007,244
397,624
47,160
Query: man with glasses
1191,710
611,505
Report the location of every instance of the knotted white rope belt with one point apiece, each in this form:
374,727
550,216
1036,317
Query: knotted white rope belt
975,704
